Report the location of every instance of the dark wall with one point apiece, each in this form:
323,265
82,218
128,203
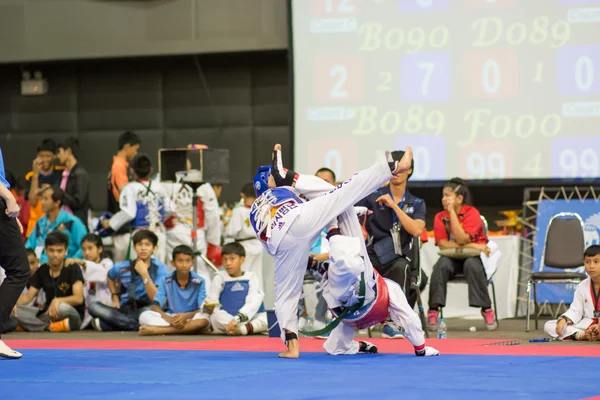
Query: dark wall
40,30
245,109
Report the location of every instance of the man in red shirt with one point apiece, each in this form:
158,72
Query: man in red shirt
459,226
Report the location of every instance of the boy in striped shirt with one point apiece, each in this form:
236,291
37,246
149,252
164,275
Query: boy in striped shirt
181,294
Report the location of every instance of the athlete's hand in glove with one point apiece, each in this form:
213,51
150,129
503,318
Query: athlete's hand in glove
281,176
592,334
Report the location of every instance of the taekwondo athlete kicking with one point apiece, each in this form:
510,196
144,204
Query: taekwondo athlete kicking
356,294
287,225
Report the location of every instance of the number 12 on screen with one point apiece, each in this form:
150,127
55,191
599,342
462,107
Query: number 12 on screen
334,8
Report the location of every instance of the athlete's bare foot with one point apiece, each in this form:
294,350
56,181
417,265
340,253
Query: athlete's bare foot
145,331
293,350
404,164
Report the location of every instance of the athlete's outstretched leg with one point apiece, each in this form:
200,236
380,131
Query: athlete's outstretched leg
402,314
317,213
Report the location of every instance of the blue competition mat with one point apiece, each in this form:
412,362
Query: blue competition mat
165,375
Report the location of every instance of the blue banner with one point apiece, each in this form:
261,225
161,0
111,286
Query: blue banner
589,211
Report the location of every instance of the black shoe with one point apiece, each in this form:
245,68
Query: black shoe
367,347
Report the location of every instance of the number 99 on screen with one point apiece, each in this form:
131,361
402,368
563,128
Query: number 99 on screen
576,157
488,159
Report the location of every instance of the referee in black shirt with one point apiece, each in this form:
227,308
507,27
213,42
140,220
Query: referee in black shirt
13,258
395,211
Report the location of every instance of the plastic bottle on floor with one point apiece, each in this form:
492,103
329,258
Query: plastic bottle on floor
442,329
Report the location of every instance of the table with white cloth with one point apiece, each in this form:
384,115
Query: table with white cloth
506,280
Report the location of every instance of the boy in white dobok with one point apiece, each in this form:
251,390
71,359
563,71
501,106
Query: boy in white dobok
288,225
580,322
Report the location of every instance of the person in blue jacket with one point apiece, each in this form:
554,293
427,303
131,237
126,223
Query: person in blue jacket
56,219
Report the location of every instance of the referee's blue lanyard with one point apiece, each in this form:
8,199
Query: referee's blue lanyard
399,205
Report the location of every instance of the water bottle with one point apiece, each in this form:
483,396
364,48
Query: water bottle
309,324
442,330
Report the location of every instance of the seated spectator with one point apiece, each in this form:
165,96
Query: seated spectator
459,226
142,204
38,301
580,322
396,216
56,219
235,301
44,173
34,265
137,280
75,180
63,286
181,294
95,269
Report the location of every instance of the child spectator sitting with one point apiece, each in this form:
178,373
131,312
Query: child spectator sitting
235,301
182,294
580,322
56,219
63,286
239,230
94,269
138,279
34,265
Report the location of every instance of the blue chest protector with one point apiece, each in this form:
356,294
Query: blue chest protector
142,218
233,296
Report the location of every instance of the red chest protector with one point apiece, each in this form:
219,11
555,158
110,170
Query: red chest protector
373,313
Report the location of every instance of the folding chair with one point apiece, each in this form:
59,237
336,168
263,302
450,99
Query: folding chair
563,249
460,278
415,263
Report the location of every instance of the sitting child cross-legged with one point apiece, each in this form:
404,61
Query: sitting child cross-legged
235,300
182,294
580,322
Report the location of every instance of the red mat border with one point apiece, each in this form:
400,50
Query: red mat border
265,344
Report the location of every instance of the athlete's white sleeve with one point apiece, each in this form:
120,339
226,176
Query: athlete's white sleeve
576,310
128,206
235,225
169,206
95,272
312,186
254,298
216,287
212,219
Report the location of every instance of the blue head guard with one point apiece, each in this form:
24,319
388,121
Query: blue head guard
261,180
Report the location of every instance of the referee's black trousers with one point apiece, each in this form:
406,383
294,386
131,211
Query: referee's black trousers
13,260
